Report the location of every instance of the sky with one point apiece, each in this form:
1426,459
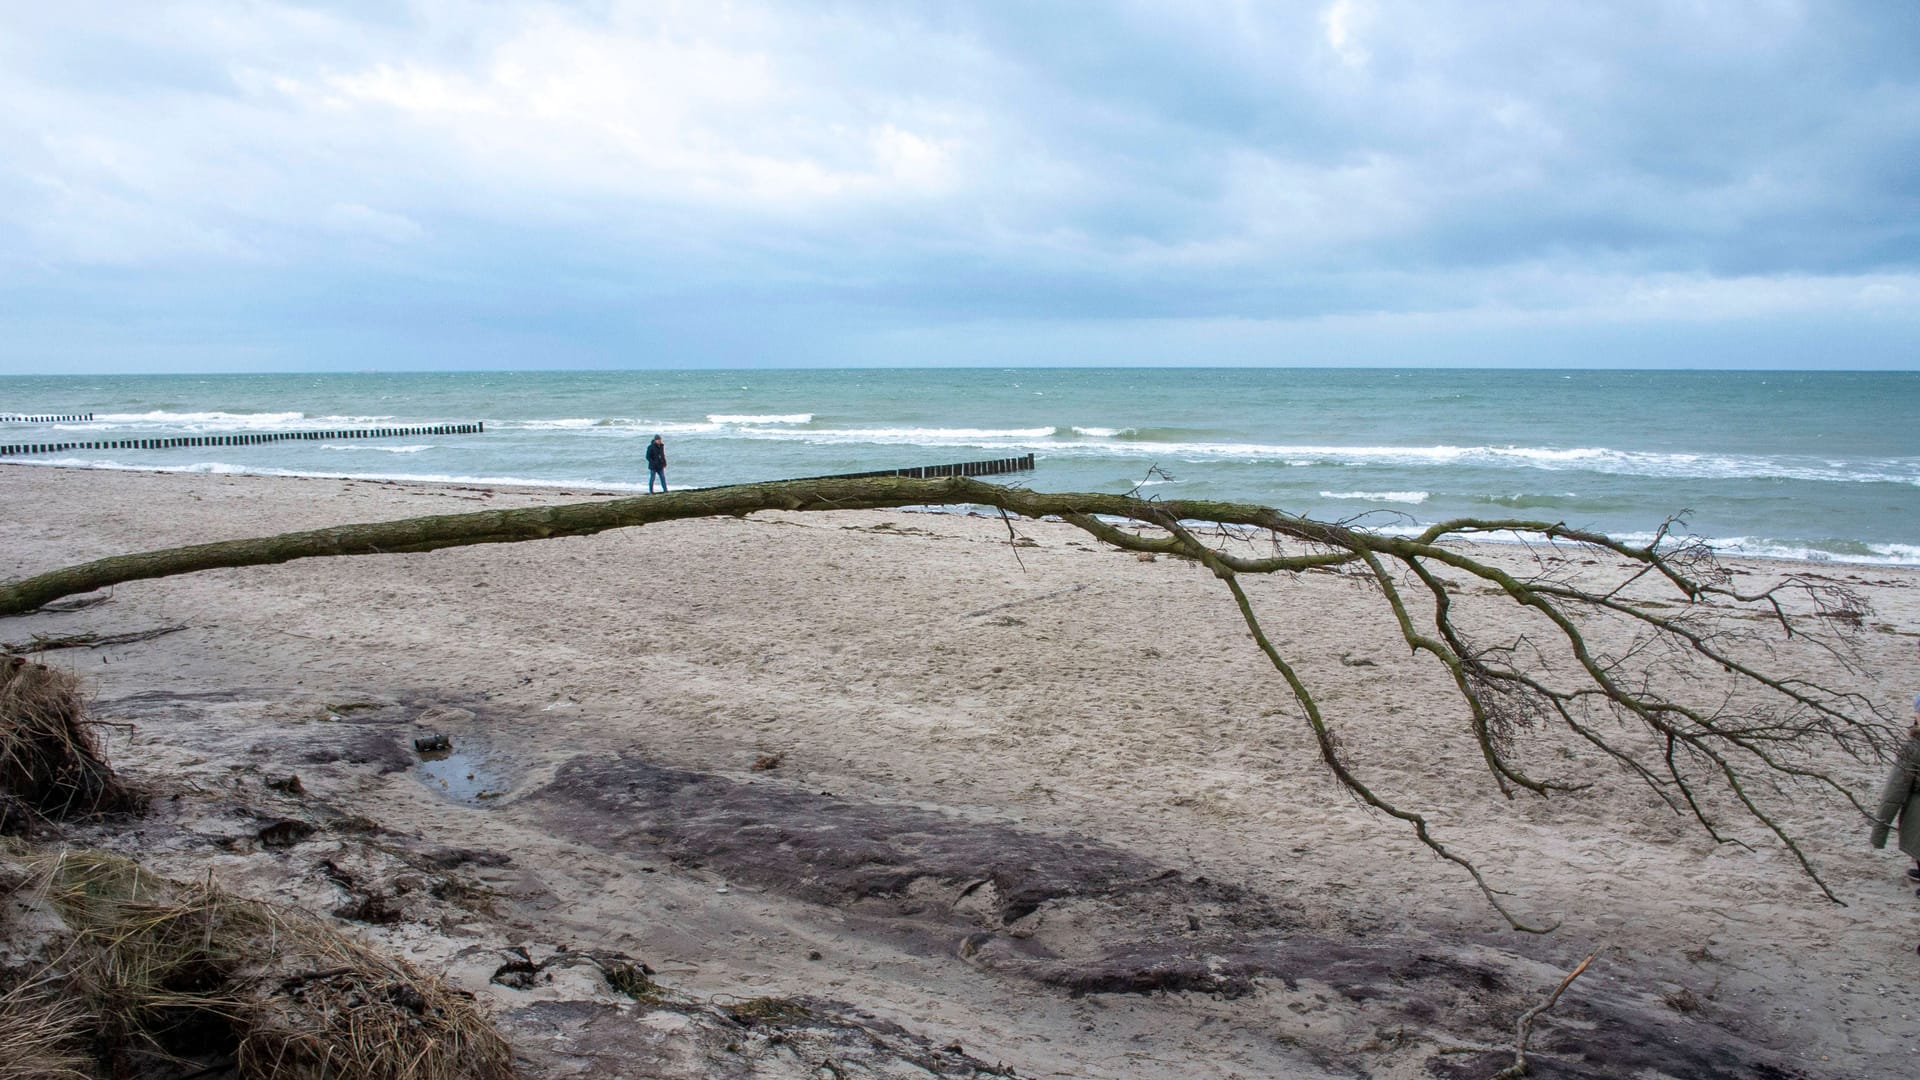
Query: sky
260,186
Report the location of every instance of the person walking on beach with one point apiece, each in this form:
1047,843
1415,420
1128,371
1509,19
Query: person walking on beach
1900,800
656,464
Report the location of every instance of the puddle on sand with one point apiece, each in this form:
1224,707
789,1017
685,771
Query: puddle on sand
462,775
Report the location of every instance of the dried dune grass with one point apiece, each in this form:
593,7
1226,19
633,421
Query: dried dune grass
41,1035
186,972
50,762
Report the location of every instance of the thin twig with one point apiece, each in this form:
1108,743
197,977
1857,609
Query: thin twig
1013,538
42,643
1523,1028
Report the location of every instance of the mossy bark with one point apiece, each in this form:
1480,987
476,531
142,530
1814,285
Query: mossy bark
586,518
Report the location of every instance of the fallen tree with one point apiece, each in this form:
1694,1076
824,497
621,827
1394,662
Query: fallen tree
1617,666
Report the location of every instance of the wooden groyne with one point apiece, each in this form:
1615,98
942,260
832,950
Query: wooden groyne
922,472
253,438
929,472
73,419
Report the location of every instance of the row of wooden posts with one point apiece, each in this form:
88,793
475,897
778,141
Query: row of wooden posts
929,472
249,439
919,472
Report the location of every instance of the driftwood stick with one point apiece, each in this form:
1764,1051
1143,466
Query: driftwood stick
1523,1028
43,643
292,982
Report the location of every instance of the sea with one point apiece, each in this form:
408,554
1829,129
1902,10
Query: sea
1822,466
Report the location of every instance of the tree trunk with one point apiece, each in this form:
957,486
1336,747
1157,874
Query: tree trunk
1682,749
585,518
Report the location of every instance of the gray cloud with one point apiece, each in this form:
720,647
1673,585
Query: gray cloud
591,184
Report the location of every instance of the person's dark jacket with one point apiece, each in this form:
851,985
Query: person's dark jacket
657,457
1901,799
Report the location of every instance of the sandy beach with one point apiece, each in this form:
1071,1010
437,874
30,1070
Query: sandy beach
968,804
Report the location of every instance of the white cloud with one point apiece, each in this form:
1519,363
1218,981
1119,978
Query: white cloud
560,107
911,159
1341,23
409,90
1214,159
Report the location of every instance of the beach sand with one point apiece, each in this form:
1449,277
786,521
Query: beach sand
888,794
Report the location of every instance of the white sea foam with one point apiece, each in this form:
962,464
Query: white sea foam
715,422
377,449
162,423
1684,466
1760,547
194,421
1744,547
166,417
214,468
1414,497
210,467
223,468
573,423
615,426
1035,437
1090,441
779,418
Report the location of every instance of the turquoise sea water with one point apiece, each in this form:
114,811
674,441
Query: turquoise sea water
1794,464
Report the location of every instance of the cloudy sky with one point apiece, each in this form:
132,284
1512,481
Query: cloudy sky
230,185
